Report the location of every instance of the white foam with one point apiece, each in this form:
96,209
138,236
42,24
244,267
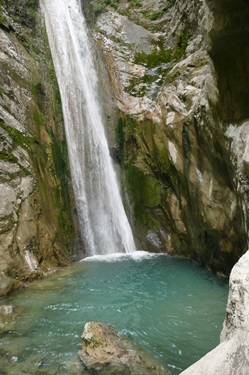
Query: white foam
117,257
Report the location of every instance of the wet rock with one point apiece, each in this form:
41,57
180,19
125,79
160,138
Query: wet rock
105,352
232,355
6,310
33,192
7,318
74,368
7,284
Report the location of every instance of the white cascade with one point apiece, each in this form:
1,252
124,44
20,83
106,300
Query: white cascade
104,225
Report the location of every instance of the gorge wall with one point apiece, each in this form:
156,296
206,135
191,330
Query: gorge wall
174,77
36,213
179,73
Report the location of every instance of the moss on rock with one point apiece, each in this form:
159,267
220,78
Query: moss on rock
41,223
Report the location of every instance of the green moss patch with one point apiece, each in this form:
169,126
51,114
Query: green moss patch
148,174
5,156
139,86
99,6
26,142
23,11
145,193
154,58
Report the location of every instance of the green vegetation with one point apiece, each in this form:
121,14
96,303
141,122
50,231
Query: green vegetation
6,156
155,15
32,3
38,120
3,21
100,5
181,45
23,12
126,8
148,172
139,85
154,58
30,143
145,193
158,63
161,56
20,139
43,138
38,90
164,170
135,3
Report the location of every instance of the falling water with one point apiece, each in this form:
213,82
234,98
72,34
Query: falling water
104,225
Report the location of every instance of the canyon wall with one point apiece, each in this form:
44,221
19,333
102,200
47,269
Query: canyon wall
231,357
36,212
179,72
174,77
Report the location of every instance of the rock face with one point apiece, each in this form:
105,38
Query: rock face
36,201
105,352
181,137
231,357
178,72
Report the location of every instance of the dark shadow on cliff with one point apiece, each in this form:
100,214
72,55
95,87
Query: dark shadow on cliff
230,54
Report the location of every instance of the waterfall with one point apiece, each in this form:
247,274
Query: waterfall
104,226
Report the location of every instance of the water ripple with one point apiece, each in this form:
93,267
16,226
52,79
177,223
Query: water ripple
171,308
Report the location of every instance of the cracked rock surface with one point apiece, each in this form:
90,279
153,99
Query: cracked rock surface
34,180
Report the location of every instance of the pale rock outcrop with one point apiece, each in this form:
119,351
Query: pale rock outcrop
231,357
238,134
132,39
105,352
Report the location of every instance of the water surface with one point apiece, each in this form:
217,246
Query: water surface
170,307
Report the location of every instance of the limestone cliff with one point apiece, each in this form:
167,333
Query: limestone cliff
179,76
36,228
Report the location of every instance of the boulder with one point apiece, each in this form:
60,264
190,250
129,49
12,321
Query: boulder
105,352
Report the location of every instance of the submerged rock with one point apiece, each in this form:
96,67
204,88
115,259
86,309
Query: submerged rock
231,357
7,318
105,352
6,310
